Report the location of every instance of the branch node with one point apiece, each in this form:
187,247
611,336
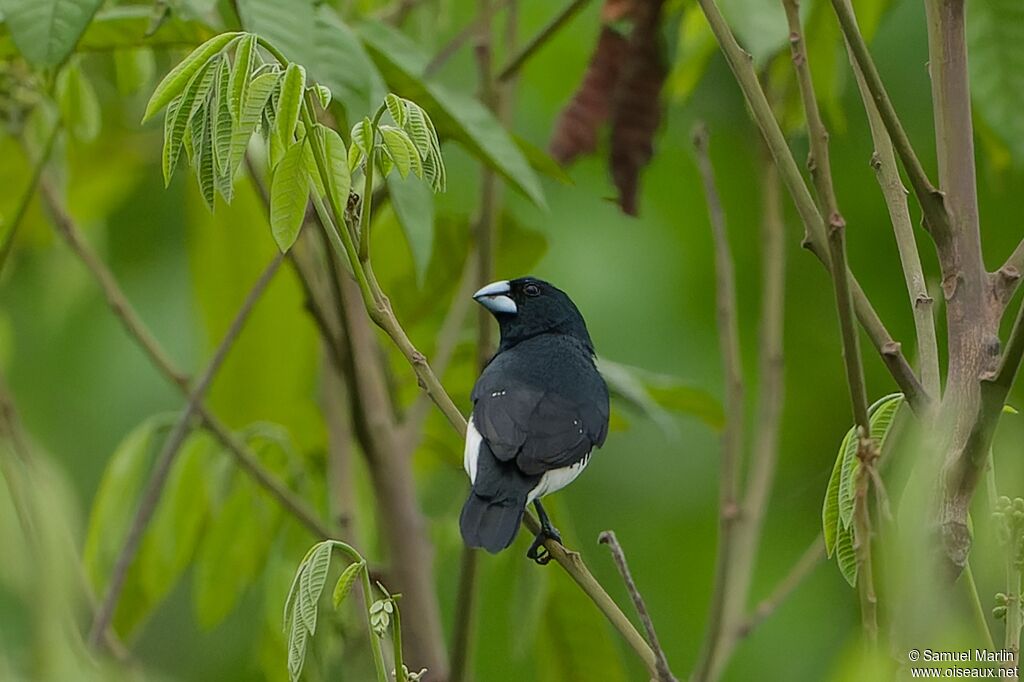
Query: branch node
950,283
891,349
922,300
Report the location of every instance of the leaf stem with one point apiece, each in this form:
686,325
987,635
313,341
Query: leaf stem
538,41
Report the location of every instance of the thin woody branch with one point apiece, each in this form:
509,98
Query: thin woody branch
166,457
138,331
732,432
538,41
883,160
26,197
740,63
803,567
930,198
608,538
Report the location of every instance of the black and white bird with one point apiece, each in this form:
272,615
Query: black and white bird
540,407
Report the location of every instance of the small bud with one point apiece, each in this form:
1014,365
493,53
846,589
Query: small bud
1003,503
999,612
1018,504
1000,599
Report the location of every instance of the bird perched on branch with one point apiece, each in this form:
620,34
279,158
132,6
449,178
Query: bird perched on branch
540,407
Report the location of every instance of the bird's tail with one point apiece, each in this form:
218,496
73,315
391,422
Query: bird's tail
490,522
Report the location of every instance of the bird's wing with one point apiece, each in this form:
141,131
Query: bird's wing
540,429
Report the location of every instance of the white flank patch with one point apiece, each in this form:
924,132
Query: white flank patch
556,479
472,452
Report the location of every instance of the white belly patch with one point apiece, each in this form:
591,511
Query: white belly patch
556,479
472,451
551,481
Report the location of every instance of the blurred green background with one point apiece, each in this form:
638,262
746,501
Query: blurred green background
645,285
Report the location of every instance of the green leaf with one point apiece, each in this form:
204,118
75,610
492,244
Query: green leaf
179,116
114,504
342,64
297,638
345,582
175,81
232,553
457,116
1010,409
830,509
133,69
995,37
362,136
323,95
339,178
311,168
45,31
293,86
79,107
695,46
846,555
241,74
396,107
222,123
882,414
289,194
173,534
413,203
401,151
204,162
287,25
541,161
311,585
255,101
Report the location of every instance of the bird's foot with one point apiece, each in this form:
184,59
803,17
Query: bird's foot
538,552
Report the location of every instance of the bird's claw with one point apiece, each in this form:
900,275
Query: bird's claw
538,552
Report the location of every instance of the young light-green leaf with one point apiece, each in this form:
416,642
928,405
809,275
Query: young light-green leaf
882,413
179,116
345,582
205,165
830,509
293,86
289,193
338,177
222,121
241,73
311,585
846,555
402,151
396,107
252,109
175,81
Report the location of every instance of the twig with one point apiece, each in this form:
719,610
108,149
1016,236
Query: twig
803,567
608,538
154,488
821,170
732,432
886,171
740,63
137,330
1008,277
573,564
542,37
462,37
26,197
930,198
769,407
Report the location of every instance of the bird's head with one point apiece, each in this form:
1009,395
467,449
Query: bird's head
527,307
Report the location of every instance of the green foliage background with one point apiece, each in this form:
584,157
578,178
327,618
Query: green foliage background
645,286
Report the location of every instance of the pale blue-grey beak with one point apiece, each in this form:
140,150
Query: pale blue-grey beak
495,298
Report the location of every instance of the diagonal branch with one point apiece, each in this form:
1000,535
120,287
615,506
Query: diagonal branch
815,235
26,197
538,41
154,488
803,567
133,324
930,198
895,195
608,538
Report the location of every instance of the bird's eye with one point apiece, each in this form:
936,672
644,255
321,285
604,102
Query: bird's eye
531,290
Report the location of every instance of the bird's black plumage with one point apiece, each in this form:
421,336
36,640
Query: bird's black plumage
539,408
